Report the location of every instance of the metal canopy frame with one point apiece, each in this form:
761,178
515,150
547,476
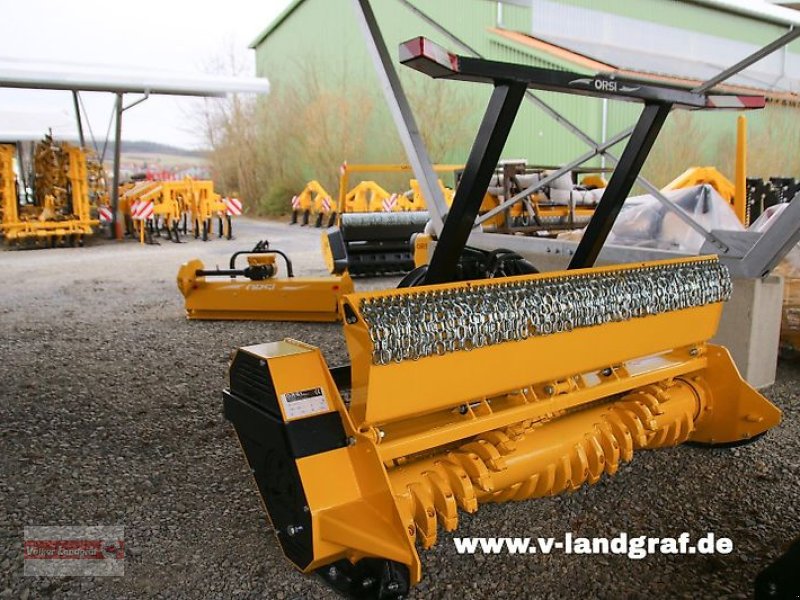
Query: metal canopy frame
425,56
76,78
772,244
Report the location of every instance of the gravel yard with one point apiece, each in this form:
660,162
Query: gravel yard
111,415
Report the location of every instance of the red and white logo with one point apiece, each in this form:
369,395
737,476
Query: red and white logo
234,206
389,203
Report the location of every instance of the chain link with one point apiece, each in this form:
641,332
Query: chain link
434,322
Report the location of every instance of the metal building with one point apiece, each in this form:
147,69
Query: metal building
679,41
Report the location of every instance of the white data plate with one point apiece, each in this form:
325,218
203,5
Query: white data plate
304,403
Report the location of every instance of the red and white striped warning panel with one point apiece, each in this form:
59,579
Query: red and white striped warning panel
234,206
735,101
105,214
343,169
326,204
141,211
295,202
388,203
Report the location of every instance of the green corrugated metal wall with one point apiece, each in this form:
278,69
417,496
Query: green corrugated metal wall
325,33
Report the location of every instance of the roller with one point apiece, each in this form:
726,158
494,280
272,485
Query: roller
373,243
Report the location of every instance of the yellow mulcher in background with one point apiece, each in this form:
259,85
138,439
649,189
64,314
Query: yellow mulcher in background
462,393
256,293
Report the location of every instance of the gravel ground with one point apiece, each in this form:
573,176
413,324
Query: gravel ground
111,415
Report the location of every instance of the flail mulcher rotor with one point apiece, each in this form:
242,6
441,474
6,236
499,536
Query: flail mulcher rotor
483,391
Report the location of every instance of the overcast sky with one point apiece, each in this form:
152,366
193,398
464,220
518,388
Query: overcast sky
173,35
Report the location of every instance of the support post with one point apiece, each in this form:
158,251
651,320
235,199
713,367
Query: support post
483,158
78,118
740,194
630,163
116,228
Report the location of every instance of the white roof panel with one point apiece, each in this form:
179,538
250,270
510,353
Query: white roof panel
103,78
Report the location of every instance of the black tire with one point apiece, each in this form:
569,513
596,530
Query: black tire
294,218
306,217
230,226
205,230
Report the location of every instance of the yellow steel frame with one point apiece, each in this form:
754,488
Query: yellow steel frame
704,176
417,200
347,169
366,196
312,196
80,223
8,192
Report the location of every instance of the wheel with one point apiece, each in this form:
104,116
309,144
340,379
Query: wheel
205,230
229,222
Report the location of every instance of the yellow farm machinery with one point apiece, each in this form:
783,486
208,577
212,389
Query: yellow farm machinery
256,293
153,207
466,392
564,204
313,199
67,185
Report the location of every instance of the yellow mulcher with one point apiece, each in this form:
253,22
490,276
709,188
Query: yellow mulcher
368,239
255,293
462,393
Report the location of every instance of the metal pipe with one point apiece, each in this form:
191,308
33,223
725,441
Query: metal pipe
116,231
756,56
78,117
402,114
